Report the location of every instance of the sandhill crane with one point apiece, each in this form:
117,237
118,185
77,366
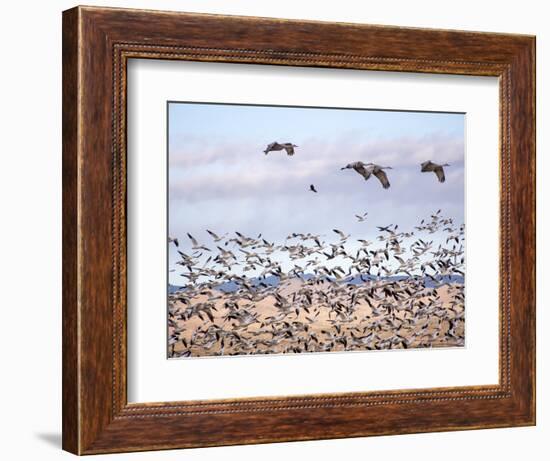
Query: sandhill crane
430,166
275,146
367,169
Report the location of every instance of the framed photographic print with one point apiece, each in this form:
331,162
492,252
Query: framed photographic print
282,230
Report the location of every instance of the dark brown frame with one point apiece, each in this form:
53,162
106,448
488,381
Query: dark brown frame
97,43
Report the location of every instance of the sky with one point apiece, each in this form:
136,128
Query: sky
220,179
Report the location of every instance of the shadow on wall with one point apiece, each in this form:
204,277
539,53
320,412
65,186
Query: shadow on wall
51,438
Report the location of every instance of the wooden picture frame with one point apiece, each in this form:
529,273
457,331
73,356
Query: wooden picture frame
97,43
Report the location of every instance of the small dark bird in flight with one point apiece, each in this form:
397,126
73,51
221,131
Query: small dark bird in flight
429,166
275,146
367,169
312,188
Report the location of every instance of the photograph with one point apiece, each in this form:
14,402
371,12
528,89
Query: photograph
313,229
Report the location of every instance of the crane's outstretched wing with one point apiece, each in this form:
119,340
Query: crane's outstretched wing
289,149
383,178
440,174
362,171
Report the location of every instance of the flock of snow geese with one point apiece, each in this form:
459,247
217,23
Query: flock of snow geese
313,293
